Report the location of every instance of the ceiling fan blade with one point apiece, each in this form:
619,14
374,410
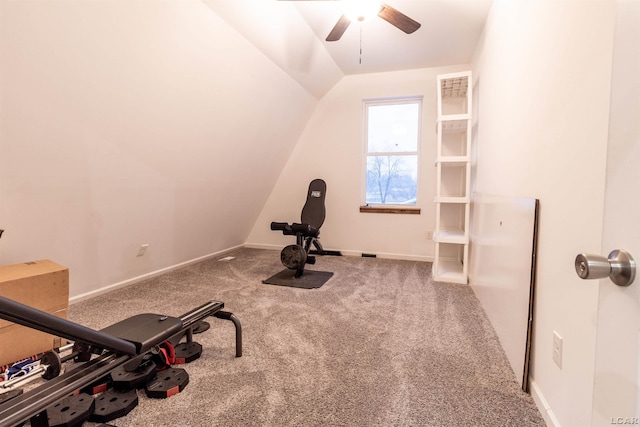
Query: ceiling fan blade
398,19
339,29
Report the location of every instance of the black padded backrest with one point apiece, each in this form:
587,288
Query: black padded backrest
313,212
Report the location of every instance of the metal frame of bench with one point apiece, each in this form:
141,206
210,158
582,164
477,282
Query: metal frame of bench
115,350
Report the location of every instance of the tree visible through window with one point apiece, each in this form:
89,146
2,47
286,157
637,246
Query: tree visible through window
392,134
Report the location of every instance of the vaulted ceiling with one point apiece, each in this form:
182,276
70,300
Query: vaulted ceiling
448,34
293,33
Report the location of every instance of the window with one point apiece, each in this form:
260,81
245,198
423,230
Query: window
391,139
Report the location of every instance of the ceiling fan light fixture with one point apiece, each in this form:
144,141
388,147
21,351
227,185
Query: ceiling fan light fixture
361,10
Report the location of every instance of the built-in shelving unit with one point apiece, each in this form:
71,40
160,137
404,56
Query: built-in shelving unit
451,235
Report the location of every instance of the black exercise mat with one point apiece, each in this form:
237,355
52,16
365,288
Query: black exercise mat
309,280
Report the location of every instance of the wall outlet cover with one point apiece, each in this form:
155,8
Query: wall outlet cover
557,349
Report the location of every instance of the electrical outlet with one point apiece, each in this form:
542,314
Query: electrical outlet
557,349
143,249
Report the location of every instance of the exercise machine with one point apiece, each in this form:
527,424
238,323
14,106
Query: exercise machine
307,231
125,344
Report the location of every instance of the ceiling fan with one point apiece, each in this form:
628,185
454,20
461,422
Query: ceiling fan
356,12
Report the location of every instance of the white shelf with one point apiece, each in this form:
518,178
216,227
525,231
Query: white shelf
453,160
451,236
453,136
450,271
448,118
457,200
453,168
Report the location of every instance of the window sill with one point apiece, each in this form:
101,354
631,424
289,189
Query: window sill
389,210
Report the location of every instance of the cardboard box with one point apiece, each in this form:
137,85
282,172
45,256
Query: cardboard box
40,284
18,343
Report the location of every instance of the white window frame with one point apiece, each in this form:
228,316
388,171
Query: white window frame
365,146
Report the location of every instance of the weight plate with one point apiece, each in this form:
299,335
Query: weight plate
114,404
201,327
99,386
71,411
187,352
124,380
82,352
167,383
51,360
293,256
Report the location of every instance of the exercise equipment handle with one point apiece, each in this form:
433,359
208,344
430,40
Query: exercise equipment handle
16,312
305,229
279,226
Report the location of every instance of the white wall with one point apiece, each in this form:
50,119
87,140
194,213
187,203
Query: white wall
123,123
542,73
331,148
278,30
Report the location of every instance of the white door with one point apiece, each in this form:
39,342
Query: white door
616,399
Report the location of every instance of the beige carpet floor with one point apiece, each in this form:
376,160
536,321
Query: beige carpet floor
380,344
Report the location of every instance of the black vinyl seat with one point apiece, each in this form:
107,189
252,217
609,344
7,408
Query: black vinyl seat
145,330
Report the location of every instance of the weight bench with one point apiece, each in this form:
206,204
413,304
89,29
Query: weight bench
312,217
122,344
294,257
308,230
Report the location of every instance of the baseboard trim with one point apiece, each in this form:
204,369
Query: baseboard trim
109,288
423,258
263,246
542,404
146,276
386,255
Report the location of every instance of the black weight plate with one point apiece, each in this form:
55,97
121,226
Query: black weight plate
114,404
293,256
51,360
99,386
201,327
71,411
124,380
82,352
187,352
167,383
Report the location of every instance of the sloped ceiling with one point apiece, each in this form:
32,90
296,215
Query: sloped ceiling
292,34
448,34
281,33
